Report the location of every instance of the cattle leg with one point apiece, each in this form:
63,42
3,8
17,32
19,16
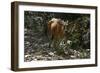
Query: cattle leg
50,42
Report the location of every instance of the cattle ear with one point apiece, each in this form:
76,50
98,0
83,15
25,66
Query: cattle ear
50,22
60,22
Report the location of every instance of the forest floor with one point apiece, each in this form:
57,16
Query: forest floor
37,48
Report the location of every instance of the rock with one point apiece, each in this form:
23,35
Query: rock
25,37
25,30
69,42
73,57
27,43
87,50
35,59
39,57
66,52
46,55
51,54
27,56
70,51
60,58
32,51
49,58
54,58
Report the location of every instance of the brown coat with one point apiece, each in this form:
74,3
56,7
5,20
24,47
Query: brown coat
56,29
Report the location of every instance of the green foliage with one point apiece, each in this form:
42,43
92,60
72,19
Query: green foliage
80,32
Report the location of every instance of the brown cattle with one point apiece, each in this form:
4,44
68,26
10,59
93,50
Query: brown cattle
56,31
